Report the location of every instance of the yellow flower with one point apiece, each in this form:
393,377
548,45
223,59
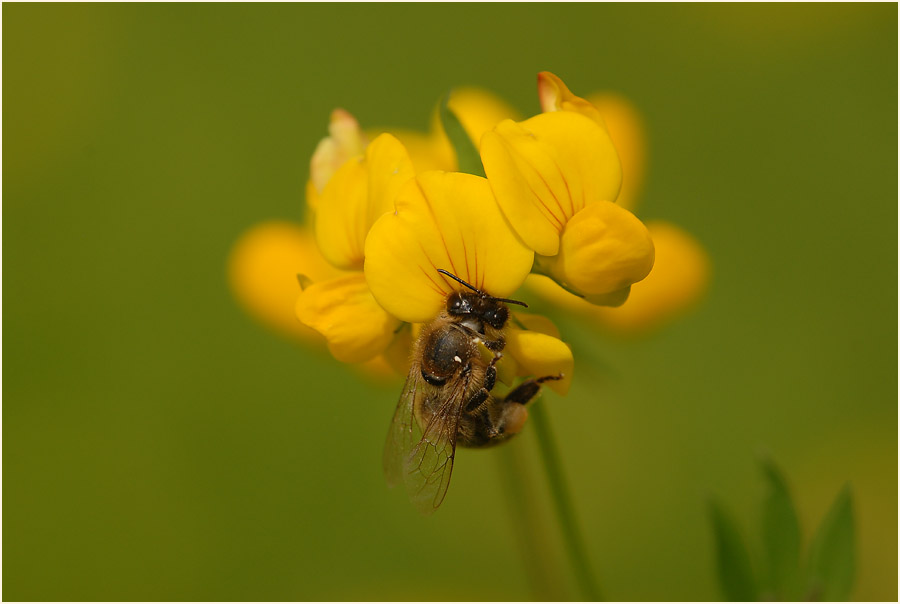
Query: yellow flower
681,271
450,221
342,309
556,177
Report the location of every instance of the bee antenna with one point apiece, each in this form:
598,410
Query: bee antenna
455,278
508,301
475,289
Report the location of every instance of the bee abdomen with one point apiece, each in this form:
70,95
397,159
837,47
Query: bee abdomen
434,380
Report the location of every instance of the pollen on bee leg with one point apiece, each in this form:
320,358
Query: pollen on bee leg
457,359
514,418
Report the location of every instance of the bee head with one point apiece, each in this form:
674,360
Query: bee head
478,304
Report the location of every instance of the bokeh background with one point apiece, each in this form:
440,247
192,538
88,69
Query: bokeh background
160,444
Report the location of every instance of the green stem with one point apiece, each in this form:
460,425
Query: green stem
532,541
563,503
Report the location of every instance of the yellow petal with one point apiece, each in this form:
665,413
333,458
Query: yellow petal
442,220
343,310
520,190
389,167
678,280
342,214
556,96
604,248
358,193
540,354
262,272
546,169
345,140
626,128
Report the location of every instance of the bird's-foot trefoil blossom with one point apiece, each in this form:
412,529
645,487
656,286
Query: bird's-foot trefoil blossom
556,177
556,166
681,269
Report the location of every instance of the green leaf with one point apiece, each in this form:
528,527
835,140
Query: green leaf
831,556
732,560
467,156
781,536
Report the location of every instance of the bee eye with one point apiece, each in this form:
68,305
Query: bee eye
497,317
454,303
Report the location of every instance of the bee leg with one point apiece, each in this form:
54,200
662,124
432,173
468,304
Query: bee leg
513,414
490,378
495,345
527,390
476,401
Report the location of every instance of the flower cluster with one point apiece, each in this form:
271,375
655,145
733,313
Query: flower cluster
385,211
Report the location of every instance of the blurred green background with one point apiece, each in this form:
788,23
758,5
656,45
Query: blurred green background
159,444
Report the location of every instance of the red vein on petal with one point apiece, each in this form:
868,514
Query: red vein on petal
434,284
566,182
475,251
462,238
523,161
552,194
541,176
437,223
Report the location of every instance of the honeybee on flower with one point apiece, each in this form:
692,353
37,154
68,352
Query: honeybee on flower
422,263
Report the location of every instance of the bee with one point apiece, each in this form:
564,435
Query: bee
447,398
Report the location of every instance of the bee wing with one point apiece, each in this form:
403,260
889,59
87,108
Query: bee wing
427,468
423,459
404,432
